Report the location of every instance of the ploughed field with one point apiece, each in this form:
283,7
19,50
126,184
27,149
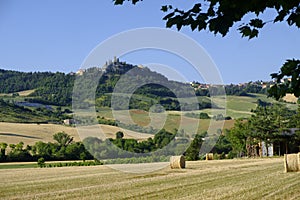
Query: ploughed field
217,179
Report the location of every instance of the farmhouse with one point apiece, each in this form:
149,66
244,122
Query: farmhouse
269,149
69,122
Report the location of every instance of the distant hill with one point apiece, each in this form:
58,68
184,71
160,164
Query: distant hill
14,81
50,88
56,88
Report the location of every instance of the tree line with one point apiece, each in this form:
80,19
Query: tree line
233,89
13,112
217,17
64,148
57,88
271,124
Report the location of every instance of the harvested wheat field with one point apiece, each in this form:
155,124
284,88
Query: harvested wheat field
12,133
225,179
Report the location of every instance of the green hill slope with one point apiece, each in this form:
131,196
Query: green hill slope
241,106
10,112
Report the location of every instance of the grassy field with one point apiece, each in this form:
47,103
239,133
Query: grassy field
236,107
170,122
240,106
18,165
220,179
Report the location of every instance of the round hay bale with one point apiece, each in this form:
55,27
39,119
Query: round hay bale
292,162
209,156
177,162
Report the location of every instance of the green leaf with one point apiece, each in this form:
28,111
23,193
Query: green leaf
196,8
201,21
201,26
169,23
245,31
169,16
135,1
211,12
291,68
164,8
179,25
177,20
294,18
274,75
254,33
194,25
119,2
280,16
258,23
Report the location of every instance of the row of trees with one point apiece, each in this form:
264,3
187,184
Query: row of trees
64,148
11,111
218,17
127,148
163,144
57,88
232,89
124,102
270,124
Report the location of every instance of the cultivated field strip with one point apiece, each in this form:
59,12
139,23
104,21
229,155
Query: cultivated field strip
13,133
225,179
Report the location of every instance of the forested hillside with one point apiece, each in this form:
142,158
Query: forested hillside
10,112
148,87
56,88
14,81
50,88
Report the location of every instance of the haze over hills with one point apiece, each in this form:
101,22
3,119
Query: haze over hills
49,90
56,88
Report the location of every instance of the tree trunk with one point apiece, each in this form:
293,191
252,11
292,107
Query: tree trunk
267,145
260,149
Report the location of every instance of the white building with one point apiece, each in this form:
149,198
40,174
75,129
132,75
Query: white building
264,149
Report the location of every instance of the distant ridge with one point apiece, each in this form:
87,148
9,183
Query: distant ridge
57,88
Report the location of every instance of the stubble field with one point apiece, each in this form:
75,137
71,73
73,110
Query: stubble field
219,179
13,133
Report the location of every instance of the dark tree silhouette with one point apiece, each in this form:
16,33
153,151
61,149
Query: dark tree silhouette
219,16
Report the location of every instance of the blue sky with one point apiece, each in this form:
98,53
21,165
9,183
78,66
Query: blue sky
55,35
